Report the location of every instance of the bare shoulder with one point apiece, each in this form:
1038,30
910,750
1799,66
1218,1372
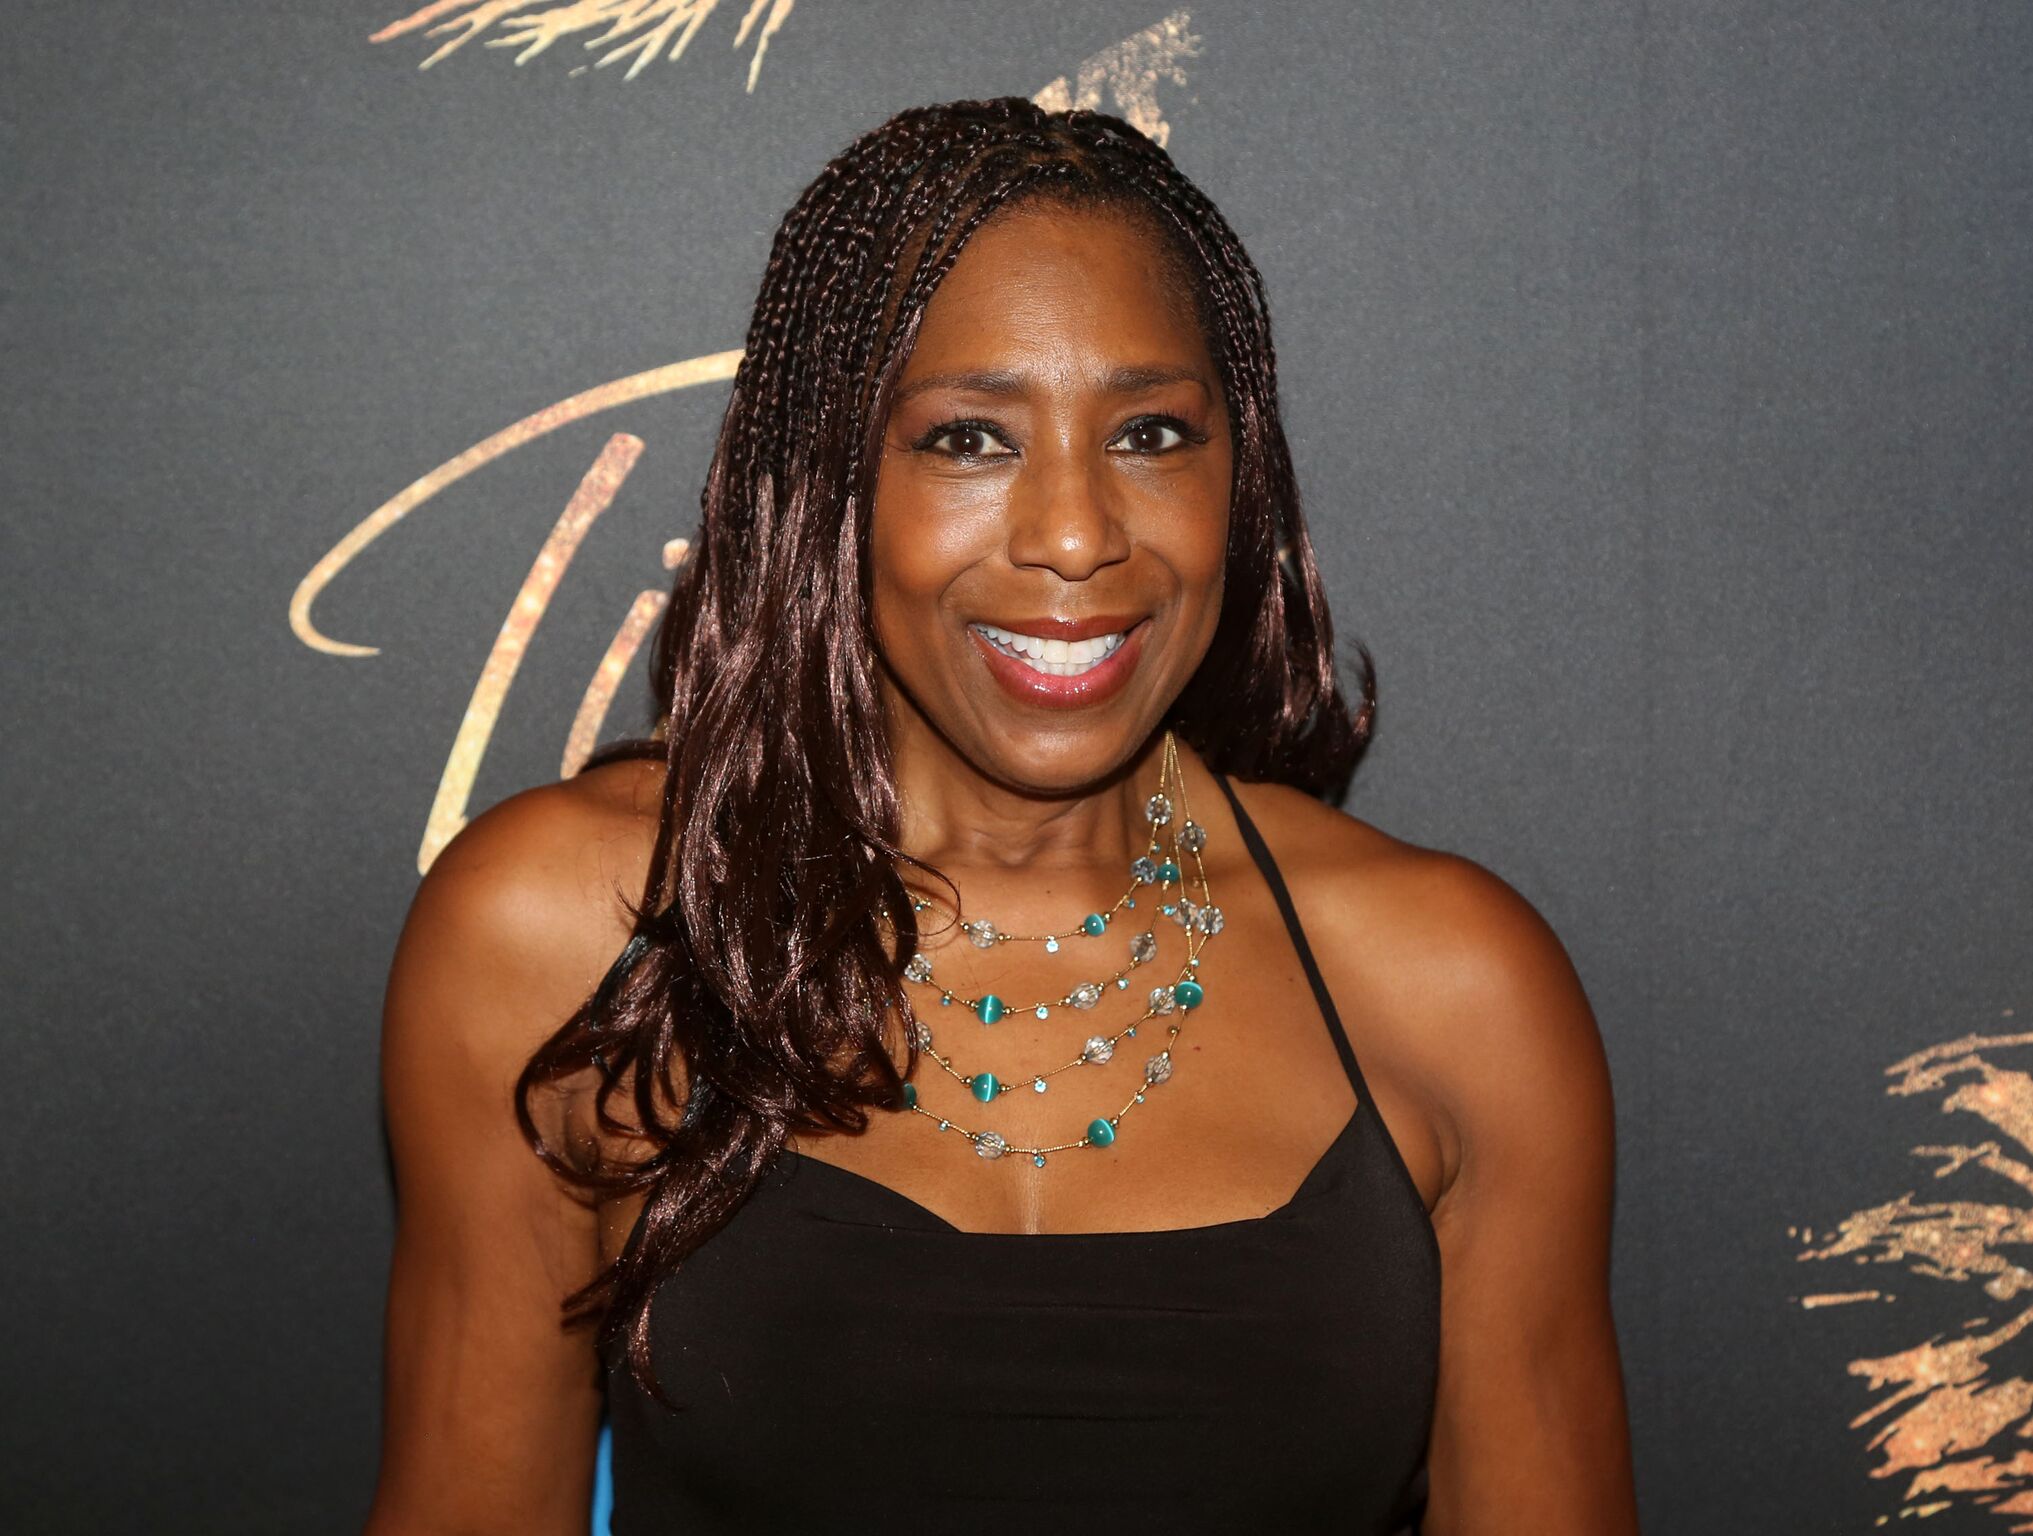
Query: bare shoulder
1433,918
545,872
1461,988
512,927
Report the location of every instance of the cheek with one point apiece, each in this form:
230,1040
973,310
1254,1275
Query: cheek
1188,529
919,543
1198,556
1215,545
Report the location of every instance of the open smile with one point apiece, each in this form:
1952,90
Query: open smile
1052,657
1061,662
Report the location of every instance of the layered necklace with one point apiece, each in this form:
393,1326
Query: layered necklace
1175,838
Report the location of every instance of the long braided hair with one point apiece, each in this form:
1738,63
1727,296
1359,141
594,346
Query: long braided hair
755,999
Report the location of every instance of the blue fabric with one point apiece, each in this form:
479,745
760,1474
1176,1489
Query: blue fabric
603,1482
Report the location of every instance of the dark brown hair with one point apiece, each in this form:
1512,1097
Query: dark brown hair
756,997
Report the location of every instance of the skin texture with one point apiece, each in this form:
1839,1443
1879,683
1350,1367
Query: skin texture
1473,1030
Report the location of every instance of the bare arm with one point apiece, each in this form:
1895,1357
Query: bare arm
491,1409
1530,1434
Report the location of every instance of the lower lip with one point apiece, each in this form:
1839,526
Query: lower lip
1099,682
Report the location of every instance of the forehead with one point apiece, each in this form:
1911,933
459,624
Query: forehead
1044,276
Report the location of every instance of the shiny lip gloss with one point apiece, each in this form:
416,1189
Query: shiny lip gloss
1099,682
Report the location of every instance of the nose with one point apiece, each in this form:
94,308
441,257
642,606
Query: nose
1064,514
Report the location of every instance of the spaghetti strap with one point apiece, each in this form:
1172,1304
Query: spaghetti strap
1260,851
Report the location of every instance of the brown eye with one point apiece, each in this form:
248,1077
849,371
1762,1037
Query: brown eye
965,440
1148,435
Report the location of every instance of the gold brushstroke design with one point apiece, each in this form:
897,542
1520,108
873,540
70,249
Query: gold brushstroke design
1950,1407
584,735
642,614
595,492
531,27
1126,76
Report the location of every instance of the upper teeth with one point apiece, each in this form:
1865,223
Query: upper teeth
1060,658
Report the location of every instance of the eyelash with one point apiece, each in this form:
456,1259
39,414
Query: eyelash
988,429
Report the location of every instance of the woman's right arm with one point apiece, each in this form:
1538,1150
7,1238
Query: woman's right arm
490,1409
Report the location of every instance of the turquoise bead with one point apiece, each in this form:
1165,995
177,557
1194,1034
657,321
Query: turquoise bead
1100,1134
1169,871
910,1095
983,1086
1187,994
1095,924
989,1009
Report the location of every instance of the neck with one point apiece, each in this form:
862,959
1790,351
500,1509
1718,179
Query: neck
955,814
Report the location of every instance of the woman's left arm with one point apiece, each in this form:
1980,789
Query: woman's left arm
1529,1432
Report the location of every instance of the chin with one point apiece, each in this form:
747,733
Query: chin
1066,755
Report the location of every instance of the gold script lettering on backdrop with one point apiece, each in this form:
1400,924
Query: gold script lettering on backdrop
1956,1413
1124,77
655,23
596,492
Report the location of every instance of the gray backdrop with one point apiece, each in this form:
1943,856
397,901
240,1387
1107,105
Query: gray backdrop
1659,380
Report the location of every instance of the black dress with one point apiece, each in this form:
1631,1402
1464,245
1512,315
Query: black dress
848,1361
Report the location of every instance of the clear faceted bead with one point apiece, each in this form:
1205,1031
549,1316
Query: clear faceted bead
1208,920
1158,1068
918,968
982,933
1184,912
922,1034
1160,1000
1145,869
1143,947
1097,1049
1039,1085
1052,944
1157,810
990,1145
1086,995
1192,837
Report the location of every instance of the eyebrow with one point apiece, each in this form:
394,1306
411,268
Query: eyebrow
1127,380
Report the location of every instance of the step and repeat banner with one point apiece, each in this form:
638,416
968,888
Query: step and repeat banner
1661,385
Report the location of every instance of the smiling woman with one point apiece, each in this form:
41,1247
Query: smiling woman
985,815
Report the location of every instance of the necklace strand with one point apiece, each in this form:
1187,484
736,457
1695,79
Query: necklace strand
1100,1048
1199,920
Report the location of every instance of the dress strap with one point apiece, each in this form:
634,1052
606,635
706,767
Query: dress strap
1268,866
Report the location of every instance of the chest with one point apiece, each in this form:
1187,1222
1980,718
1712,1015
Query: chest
1215,1111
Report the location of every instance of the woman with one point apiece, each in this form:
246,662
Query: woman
1018,1092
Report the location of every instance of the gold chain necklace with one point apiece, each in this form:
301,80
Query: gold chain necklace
1169,816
